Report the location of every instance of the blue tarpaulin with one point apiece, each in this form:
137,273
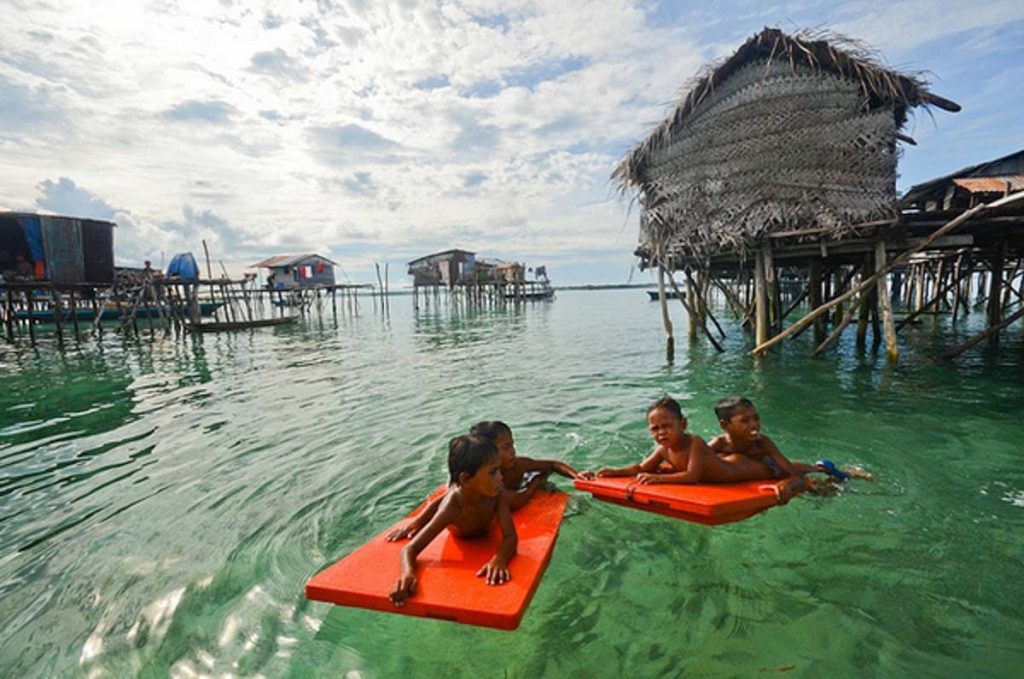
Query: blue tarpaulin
184,265
34,236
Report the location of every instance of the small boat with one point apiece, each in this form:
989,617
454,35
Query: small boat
110,312
653,294
241,325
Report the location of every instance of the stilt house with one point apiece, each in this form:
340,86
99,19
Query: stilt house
295,272
790,142
447,268
62,250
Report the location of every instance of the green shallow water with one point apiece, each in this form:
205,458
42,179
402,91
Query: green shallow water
163,502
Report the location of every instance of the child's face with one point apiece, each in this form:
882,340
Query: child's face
506,449
665,427
487,480
743,426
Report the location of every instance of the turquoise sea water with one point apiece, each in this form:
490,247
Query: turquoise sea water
162,502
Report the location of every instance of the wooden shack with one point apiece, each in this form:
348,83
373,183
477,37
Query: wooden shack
446,268
298,272
59,249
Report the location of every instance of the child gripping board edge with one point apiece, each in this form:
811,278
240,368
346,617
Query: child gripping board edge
448,586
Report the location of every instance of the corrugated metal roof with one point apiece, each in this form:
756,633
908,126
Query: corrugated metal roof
288,260
441,255
990,184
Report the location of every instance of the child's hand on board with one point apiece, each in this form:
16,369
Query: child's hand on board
494,572
403,533
403,589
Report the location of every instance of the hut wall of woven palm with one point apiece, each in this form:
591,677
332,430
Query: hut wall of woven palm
788,132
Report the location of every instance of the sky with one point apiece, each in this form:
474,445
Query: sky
377,132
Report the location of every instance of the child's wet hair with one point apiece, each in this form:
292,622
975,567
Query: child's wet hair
490,430
467,453
666,403
730,405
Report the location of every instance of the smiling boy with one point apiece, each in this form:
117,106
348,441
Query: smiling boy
679,457
742,445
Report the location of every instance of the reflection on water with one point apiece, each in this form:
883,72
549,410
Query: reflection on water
163,502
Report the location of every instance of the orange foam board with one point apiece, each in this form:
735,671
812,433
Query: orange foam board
448,588
711,504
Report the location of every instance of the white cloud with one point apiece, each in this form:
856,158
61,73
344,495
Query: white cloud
379,126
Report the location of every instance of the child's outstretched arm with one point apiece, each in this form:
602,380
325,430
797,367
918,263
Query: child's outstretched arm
694,466
517,499
648,465
548,466
794,481
495,571
405,587
414,526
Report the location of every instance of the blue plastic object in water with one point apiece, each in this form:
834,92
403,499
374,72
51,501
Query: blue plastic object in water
832,470
184,265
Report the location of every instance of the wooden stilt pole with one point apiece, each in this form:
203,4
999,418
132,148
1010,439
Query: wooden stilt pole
814,298
760,299
892,350
863,310
682,300
670,342
957,267
9,316
692,308
31,321
995,296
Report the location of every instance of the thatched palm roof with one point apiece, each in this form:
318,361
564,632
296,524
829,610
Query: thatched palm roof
790,131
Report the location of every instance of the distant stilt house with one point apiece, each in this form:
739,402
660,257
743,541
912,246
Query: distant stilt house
447,268
296,272
62,250
966,188
461,274
783,155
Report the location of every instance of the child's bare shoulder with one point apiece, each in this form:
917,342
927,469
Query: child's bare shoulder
720,444
695,442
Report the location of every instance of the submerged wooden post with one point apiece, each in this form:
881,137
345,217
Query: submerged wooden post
891,349
995,296
9,317
692,311
814,299
670,342
760,299
862,310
